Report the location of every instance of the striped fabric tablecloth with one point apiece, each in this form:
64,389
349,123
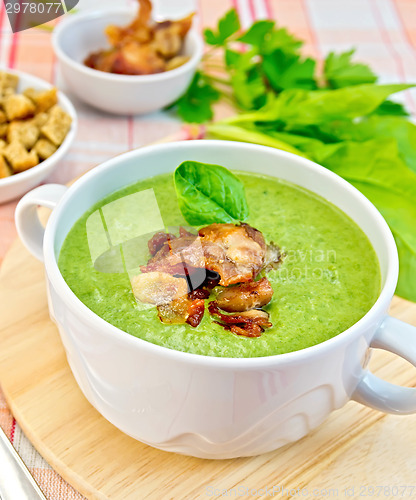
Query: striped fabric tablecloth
383,31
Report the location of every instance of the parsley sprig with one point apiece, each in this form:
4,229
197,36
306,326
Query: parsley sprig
270,62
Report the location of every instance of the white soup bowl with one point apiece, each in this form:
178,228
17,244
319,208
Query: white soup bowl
206,406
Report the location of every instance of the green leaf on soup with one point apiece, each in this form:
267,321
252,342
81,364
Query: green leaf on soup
209,193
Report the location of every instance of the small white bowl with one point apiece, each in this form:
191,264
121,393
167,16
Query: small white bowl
80,34
18,184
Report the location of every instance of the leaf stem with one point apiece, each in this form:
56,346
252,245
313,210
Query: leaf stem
214,66
210,52
217,79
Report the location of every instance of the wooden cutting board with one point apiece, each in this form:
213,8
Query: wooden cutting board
355,448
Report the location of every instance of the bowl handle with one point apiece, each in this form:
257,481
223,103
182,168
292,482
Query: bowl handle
399,338
28,225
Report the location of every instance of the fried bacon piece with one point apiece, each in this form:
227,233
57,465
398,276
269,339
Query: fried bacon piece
184,232
175,250
249,329
273,257
221,254
245,296
102,60
180,256
196,310
199,293
142,47
182,310
157,241
135,59
170,295
158,288
212,280
175,264
235,252
138,30
249,324
181,26
258,316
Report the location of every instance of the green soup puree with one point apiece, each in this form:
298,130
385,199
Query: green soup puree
328,280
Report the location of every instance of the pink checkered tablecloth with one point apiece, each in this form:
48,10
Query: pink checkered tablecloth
383,31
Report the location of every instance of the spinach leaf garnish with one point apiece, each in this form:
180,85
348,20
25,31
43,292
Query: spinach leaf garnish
209,193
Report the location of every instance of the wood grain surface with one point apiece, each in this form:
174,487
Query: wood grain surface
355,448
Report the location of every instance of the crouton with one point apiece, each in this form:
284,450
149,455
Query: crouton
32,126
8,83
5,170
31,93
18,106
19,158
40,119
44,148
4,127
8,91
43,100
25,132
57,126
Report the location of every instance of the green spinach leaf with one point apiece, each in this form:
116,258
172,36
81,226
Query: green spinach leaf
391,108
379,127
301,107
376,169
209,193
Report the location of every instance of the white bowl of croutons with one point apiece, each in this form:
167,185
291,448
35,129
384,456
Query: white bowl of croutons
126,84
37,127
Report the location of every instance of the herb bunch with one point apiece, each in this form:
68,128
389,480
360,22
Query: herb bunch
338,117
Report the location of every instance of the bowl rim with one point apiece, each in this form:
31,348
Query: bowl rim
374,316
67,106
67,23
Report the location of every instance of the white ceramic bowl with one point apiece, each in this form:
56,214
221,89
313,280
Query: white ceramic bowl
80,34
206,406
18,184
